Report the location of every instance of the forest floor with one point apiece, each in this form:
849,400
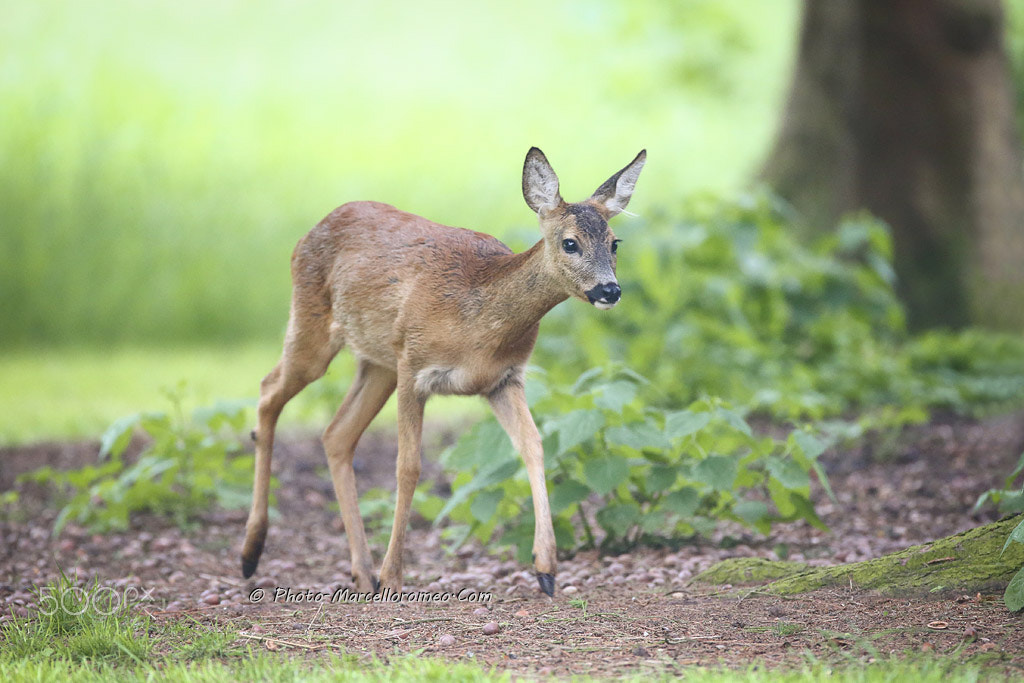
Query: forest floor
611,615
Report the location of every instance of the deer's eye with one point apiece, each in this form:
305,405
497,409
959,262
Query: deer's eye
615,246
570,246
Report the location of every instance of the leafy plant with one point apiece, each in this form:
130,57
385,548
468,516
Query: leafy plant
640,473
722,298
189,463
1010,500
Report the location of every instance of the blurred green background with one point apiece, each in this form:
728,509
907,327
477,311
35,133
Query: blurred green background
161,160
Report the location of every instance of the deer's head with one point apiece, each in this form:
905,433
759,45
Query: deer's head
579,247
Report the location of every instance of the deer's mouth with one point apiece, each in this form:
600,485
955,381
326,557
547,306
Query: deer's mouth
604,296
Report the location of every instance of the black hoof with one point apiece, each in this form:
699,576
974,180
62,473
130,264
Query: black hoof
249,567
376,586
547,583
252,435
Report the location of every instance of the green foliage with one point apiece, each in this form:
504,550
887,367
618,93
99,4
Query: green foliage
720,298
726,313
141,167
189,463
1010,501
641,473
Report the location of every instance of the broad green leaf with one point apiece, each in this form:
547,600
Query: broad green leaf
683,502
485,504
655,521
1016,536
789,474
1014,595
578,427
486,442
751,511
567,493
488,476
685,423
805,510
118,435
781,498
605,473
565,533
615,395
1011,502
717,471
734,420
618,518
810,445
586,379
661,478
638,436
536,390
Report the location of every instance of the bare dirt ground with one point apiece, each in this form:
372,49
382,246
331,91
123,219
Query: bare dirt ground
610,615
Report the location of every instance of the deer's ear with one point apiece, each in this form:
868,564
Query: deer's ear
615,192
540,184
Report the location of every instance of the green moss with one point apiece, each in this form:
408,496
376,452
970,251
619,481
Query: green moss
969,561
737,570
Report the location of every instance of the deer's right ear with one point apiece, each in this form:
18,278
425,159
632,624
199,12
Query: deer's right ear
540,184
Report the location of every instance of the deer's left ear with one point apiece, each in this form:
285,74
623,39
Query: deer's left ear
615,192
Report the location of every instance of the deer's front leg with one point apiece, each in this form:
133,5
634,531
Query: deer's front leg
407,471
509,405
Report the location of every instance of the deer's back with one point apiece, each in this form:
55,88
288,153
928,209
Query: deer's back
386,275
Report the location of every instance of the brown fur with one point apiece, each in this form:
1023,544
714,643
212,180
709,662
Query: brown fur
426,309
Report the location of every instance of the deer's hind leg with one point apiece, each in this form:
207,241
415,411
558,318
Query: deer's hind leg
308,349
369,392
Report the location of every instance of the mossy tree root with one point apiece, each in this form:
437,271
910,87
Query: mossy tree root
966,562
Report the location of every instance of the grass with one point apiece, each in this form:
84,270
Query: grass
76,393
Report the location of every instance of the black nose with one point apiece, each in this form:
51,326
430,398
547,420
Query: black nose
610,292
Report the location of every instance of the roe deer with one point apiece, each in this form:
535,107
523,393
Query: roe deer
431,309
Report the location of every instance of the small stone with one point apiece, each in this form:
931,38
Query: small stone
677,595
447,640
970,633
641,651
211,599
522,613
570,590
490,628
481,612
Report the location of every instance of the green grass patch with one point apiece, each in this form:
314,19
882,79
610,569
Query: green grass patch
76,393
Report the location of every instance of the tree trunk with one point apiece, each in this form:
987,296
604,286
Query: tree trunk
905,108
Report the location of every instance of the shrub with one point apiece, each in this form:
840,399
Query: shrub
641,473
727,301
189,463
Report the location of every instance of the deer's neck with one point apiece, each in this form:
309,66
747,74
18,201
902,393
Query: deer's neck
520,291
